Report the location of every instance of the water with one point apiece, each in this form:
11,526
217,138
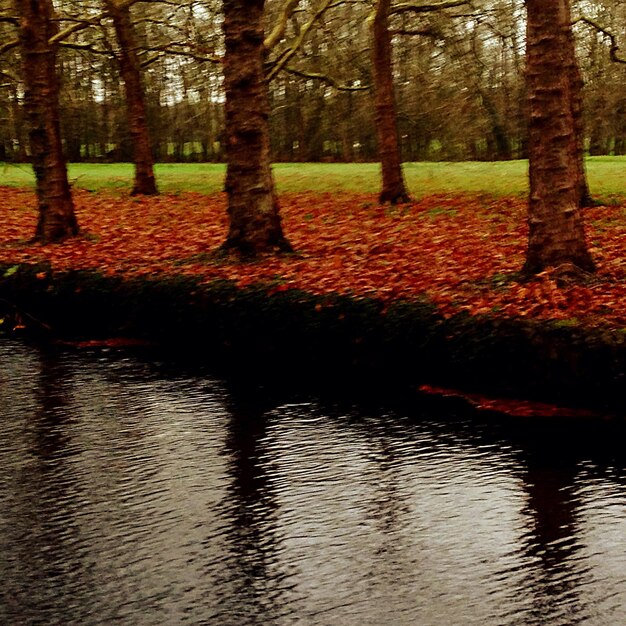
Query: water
133,493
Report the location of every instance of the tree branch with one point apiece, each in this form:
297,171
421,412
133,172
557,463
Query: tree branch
427,8
9,45
329,80
614,46
86,47
424,32
304,31
187,51
70,30
10,76
278,32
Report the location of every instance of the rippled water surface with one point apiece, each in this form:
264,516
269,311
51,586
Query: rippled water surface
134,493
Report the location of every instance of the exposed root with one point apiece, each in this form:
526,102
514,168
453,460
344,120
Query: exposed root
569,274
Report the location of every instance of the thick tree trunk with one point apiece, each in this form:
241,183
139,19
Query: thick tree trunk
255,224
394,189
556,234
576,93
41,101
144,183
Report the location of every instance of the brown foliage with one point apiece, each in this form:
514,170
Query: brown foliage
462,252
508,406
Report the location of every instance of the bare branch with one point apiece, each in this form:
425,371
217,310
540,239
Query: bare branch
278,32
427,8
9,45
70,30
614,46
293,48
329,80
179,49
85,47
424,32
10,76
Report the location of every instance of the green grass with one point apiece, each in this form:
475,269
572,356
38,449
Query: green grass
606,177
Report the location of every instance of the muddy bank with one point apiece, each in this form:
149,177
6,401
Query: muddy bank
293,333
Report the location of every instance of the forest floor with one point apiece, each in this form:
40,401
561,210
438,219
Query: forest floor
462,251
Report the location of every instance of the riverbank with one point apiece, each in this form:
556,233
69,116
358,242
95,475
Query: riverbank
426,294
396,346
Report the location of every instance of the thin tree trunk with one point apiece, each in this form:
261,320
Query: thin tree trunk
255,224
393,189
41,100
144,183
500,137
556,236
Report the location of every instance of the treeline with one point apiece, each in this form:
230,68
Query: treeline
458,77
291,78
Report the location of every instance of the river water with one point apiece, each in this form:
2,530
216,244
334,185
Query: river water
133,491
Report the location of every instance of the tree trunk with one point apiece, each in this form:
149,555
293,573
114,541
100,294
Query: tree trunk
556,234
394,189
255,224
502,145
41,100
576,92
144,183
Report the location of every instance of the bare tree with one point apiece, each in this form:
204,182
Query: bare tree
128,61
394,188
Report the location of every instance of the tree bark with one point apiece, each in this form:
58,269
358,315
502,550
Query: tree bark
255,225
576,93
144,183
57,219
556,235
393,189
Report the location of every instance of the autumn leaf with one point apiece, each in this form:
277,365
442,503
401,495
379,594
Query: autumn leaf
508,406
462,252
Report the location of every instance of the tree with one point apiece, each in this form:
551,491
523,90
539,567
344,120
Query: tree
393,189
144,183
255,224
604,96
556,235
37,28
576,102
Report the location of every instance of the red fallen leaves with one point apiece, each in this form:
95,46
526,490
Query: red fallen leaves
461,251
512,407
111,342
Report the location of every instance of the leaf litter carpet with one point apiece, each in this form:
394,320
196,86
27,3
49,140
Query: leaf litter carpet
462,252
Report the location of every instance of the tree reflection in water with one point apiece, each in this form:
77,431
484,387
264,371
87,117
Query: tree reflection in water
151,493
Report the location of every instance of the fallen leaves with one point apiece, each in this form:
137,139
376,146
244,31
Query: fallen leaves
462,251
508,406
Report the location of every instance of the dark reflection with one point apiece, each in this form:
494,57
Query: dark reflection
44,557
553,452
141,492
389,500
51,441
255,589
553,538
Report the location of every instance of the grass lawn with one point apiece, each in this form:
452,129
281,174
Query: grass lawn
606,177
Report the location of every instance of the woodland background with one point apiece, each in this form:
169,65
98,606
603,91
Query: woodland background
458,75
